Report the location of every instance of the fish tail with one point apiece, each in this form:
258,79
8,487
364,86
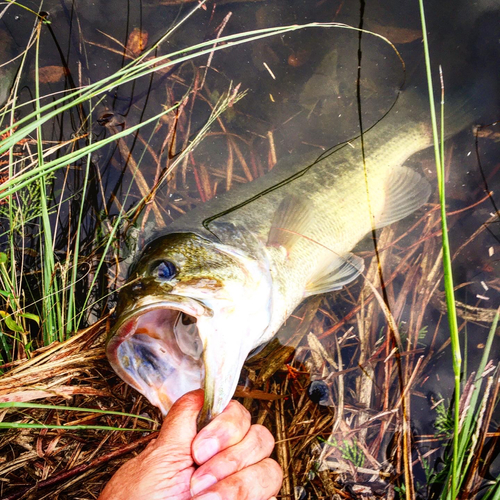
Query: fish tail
461,107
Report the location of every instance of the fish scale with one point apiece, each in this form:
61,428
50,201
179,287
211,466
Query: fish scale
334,187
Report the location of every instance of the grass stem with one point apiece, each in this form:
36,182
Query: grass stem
448,276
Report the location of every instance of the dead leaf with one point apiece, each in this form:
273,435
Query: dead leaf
395,34
64,391
51,74
137,41
242,392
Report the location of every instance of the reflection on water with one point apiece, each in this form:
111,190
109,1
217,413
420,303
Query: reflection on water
304,92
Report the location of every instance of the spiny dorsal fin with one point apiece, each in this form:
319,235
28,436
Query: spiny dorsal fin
290,222
338,273
406,190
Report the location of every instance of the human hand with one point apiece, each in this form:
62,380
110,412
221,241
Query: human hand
231,453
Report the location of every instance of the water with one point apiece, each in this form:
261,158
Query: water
302,96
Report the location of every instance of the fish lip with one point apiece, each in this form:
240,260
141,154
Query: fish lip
187,305
124,328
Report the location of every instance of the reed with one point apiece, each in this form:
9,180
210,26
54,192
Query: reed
465,425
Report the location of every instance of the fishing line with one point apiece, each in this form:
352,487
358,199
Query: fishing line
297,175
363,153
485,180
328,152
391,325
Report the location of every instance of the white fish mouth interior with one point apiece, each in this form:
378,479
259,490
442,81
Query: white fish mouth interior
162,355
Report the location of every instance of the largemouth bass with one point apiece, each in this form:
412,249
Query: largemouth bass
222,280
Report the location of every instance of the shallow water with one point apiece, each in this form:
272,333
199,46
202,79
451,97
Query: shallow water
302,96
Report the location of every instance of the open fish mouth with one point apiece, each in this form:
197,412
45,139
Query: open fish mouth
157,349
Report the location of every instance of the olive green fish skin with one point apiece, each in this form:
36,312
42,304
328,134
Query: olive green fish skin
255,264
334,191
193,258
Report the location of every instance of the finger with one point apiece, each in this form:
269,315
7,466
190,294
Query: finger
225,430
179,426
257,482
255,446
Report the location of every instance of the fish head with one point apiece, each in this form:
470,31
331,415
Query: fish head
189,314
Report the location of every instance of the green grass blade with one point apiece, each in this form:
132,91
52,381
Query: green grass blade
19,425
71,315
18,404
51,309
493,492
448,276
468,426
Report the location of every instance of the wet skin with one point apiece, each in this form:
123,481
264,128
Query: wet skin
232,455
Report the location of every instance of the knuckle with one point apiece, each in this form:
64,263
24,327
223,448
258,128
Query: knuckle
240,410
258,481
234,487
230,426
234,430
274,470
269,476
234,460
264,433
263,438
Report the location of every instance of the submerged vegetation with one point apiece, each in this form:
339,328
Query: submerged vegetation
82,185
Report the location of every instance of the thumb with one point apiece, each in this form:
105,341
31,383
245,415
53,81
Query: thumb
179,427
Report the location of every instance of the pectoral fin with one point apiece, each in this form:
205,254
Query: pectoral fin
406,190
290,222
335,275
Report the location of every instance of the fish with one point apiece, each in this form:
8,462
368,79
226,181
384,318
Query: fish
8,65
221,280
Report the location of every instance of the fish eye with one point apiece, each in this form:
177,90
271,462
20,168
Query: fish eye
165,270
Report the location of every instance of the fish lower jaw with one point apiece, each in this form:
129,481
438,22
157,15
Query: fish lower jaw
158,352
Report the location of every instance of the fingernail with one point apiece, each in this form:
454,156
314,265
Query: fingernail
209,496
198,484
205,450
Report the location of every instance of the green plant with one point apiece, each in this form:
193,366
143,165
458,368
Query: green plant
25,425
352,452
465,446
444,418
448,274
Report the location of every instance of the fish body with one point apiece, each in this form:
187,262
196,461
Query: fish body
223,280
8,65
